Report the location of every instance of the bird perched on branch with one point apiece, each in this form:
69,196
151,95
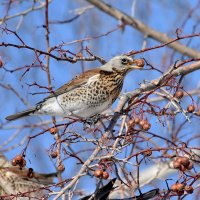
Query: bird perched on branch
89,93
16,183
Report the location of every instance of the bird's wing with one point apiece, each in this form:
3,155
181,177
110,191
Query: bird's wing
44,179
76,82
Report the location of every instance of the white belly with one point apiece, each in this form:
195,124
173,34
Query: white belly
54,107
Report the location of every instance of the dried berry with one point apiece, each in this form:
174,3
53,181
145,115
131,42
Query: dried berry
148,152
146,126
98,173
105,175
179,94
189,189
14,163
180,193
180,186
61,168
23,164
182,168
174,188
179,159
54,154
53,130
176,165
137,120
131,123
19,159
191,108
142,122
185,161
189,166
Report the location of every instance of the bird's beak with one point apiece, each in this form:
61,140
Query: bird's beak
135,67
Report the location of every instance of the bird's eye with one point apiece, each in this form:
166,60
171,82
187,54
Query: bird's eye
124,61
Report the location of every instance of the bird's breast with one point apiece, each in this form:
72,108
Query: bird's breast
106,88
90,99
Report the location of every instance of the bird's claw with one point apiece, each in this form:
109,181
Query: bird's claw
92,121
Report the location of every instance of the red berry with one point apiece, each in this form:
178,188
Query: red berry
179,160
53,130
189,189
185,161
180,193
14,163
23,164
191,108
174,188
54,154
179,94
182,168
61,168
105,175
189,166
98,173
148,152
131,123
142,122
140,62
19,159
146,126
180,186
137,120
176,165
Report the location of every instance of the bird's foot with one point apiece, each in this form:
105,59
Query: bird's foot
92,121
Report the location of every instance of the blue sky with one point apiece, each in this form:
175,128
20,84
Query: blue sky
165,16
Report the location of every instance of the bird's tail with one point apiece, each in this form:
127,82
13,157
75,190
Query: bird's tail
20,114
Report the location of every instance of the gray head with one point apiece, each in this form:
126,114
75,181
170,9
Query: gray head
121,62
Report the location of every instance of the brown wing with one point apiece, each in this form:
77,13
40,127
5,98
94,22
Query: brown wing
76,82
41,178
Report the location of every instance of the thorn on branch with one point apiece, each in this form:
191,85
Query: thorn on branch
178,32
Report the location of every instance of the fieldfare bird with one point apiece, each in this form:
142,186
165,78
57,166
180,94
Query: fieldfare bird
16,183
88,94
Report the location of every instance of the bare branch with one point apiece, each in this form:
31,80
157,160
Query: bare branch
161,37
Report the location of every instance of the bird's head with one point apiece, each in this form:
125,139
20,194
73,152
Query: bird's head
121,63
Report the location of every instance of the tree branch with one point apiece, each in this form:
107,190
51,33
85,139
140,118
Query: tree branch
161,37
144,88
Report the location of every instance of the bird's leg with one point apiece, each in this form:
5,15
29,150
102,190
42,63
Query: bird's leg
91,121
122,112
